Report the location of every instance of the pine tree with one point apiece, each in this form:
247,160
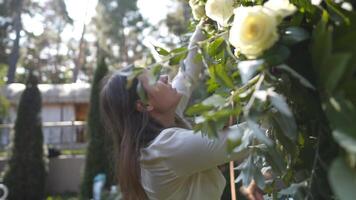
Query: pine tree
25,175
99,151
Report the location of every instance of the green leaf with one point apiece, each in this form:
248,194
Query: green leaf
346,141
276,55
178,55
141,93
342,40
293,35
304,5
214,100
156,70
217,73
250,170
212,85
297,19
227,112
322,43
336,13
259,178
342,180
222,76
247,170
287,125
154,74
275,159
279,102
130,72
234,137
258,133
161,51
301,79
179,50
342,117
246,139
293,190
198,109
209,128
214,47
281,135
248,69
334,70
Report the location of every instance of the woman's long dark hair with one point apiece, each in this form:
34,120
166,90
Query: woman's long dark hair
130,130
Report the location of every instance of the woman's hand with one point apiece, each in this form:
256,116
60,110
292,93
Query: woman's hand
252,192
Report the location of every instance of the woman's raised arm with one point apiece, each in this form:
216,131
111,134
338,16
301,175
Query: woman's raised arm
187,78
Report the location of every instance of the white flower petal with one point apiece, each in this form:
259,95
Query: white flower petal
254,30
219,10
282,8
316,2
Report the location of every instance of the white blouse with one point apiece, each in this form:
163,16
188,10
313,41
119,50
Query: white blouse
180,164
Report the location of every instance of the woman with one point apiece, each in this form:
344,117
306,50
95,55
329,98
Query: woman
159,155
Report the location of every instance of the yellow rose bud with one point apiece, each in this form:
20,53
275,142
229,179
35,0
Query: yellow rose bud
254,30
219,10
198,9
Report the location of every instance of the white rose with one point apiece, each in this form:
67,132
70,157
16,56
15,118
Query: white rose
316,2
254,30
283,8
219,10
198,9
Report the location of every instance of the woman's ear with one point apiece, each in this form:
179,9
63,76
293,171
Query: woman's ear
140,106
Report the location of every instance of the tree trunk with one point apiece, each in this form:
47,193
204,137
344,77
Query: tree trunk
15,54
57,60
81,58
124,56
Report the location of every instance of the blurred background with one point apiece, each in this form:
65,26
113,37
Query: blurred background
65,44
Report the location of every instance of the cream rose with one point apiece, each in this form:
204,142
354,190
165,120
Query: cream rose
316,2
282,8
198,9
219,10
254,30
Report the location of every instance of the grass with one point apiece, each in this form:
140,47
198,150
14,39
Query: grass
66,196
73,152
66,152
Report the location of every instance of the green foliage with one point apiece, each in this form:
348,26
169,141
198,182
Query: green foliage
267,99
4,106
4,103
336,75
178,54
343,179
293,35
296,102
113,17
99,157
25,175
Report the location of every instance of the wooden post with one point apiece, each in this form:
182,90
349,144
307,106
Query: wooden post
232,181
232,172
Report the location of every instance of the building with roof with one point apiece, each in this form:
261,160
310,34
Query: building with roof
64,111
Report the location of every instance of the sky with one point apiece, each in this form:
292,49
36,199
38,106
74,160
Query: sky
154,10
81,11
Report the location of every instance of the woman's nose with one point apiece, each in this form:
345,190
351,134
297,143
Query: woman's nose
164,78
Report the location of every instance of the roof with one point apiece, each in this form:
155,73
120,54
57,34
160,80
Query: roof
51,93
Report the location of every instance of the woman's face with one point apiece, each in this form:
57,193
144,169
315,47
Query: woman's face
161,96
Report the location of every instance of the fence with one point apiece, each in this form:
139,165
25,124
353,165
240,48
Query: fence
58,135
64,172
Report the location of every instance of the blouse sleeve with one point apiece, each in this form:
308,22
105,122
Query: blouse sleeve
187,77
186,152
